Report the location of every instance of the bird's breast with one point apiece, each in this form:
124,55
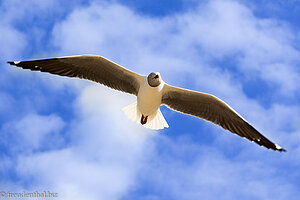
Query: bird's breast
149,98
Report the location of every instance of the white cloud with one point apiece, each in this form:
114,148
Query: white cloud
264,47
12,41
102,157
210,174
14,10
32,132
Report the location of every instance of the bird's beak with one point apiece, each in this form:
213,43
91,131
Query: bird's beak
156,77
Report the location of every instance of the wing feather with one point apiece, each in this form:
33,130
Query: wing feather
94,68
211,108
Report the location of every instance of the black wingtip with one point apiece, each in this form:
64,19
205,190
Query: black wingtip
282,150
13,63
279,148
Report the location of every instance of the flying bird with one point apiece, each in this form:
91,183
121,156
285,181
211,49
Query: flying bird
151,92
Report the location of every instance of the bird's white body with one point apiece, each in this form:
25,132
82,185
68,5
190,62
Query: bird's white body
148,103
149,98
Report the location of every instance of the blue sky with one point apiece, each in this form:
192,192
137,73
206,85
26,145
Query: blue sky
70,136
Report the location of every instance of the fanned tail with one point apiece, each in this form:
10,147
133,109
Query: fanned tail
132,112
155,121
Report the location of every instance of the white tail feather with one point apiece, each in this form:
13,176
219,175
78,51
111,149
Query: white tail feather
132,112
155,121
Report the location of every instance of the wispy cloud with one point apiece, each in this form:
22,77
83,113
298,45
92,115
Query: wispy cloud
100,159
32,132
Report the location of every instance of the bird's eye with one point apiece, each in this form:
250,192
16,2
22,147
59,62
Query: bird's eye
156,76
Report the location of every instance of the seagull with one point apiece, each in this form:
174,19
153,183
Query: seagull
151,92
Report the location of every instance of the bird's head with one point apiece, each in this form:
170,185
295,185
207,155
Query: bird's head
154,79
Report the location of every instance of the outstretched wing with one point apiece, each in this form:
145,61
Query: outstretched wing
94,68
211,108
